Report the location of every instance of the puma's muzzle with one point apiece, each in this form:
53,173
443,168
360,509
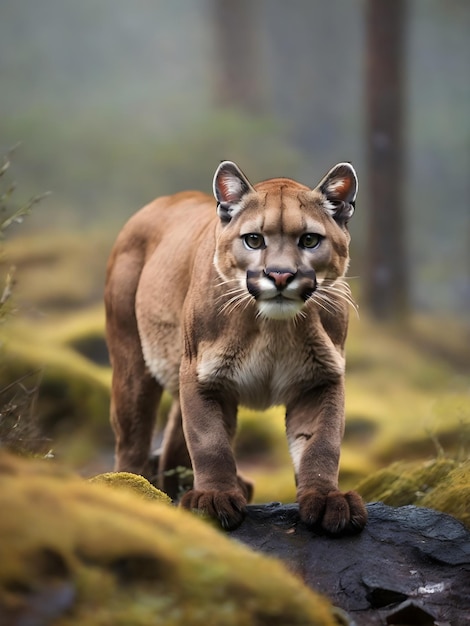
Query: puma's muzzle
281,293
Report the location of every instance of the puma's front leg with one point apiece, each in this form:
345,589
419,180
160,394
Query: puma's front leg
315,425
209,425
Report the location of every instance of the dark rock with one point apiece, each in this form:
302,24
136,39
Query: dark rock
409,566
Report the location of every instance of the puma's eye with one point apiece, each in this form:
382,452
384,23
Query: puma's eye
310,240
254,241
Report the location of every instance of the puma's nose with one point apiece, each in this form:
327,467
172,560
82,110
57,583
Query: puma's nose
280,277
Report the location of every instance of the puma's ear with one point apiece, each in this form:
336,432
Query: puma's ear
230,185
339,188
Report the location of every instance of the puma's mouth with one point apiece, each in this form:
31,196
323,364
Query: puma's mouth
281,299
279,307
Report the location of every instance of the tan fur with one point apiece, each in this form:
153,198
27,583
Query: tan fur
193,309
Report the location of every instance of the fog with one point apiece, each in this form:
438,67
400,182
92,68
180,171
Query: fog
115,103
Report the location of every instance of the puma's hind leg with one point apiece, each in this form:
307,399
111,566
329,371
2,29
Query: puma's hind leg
133,406
174,455
135,394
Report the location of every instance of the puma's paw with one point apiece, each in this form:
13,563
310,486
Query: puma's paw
229,507
337,513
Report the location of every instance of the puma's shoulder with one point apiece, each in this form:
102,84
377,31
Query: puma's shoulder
147,226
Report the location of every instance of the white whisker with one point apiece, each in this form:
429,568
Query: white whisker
345,294
248,299
324,302
232,302
241,299
331,293
232,292
338,290
298,316
227,281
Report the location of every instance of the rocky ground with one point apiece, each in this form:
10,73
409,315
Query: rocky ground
410,565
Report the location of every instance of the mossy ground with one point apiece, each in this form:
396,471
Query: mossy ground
131,482
60,273
442,484
80,553
56,385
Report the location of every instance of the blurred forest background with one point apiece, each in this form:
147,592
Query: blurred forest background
115,103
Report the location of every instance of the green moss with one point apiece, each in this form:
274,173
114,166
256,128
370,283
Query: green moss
442,484
452,494
407,399
138,484
58,272
72,392
83,332
273,484
353,466
261,436
131,562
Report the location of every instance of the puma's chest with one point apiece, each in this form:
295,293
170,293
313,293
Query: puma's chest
272,369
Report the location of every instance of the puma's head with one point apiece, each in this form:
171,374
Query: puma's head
280,243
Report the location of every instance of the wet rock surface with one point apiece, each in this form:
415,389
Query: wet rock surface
411,565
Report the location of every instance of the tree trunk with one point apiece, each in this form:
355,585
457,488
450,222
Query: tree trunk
236,80
387,267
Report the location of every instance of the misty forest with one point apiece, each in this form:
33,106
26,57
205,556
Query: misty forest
106,105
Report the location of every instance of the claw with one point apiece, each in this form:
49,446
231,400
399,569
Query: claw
335,512
227,507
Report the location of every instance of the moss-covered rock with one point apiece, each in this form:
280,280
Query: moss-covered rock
400,401
137,484
83,332
68,392
58,271
442,484
76,553
452,494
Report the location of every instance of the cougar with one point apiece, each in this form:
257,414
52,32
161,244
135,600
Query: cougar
237,301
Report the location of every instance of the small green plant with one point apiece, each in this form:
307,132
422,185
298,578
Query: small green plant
19,431
18,428
10,213
184,477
